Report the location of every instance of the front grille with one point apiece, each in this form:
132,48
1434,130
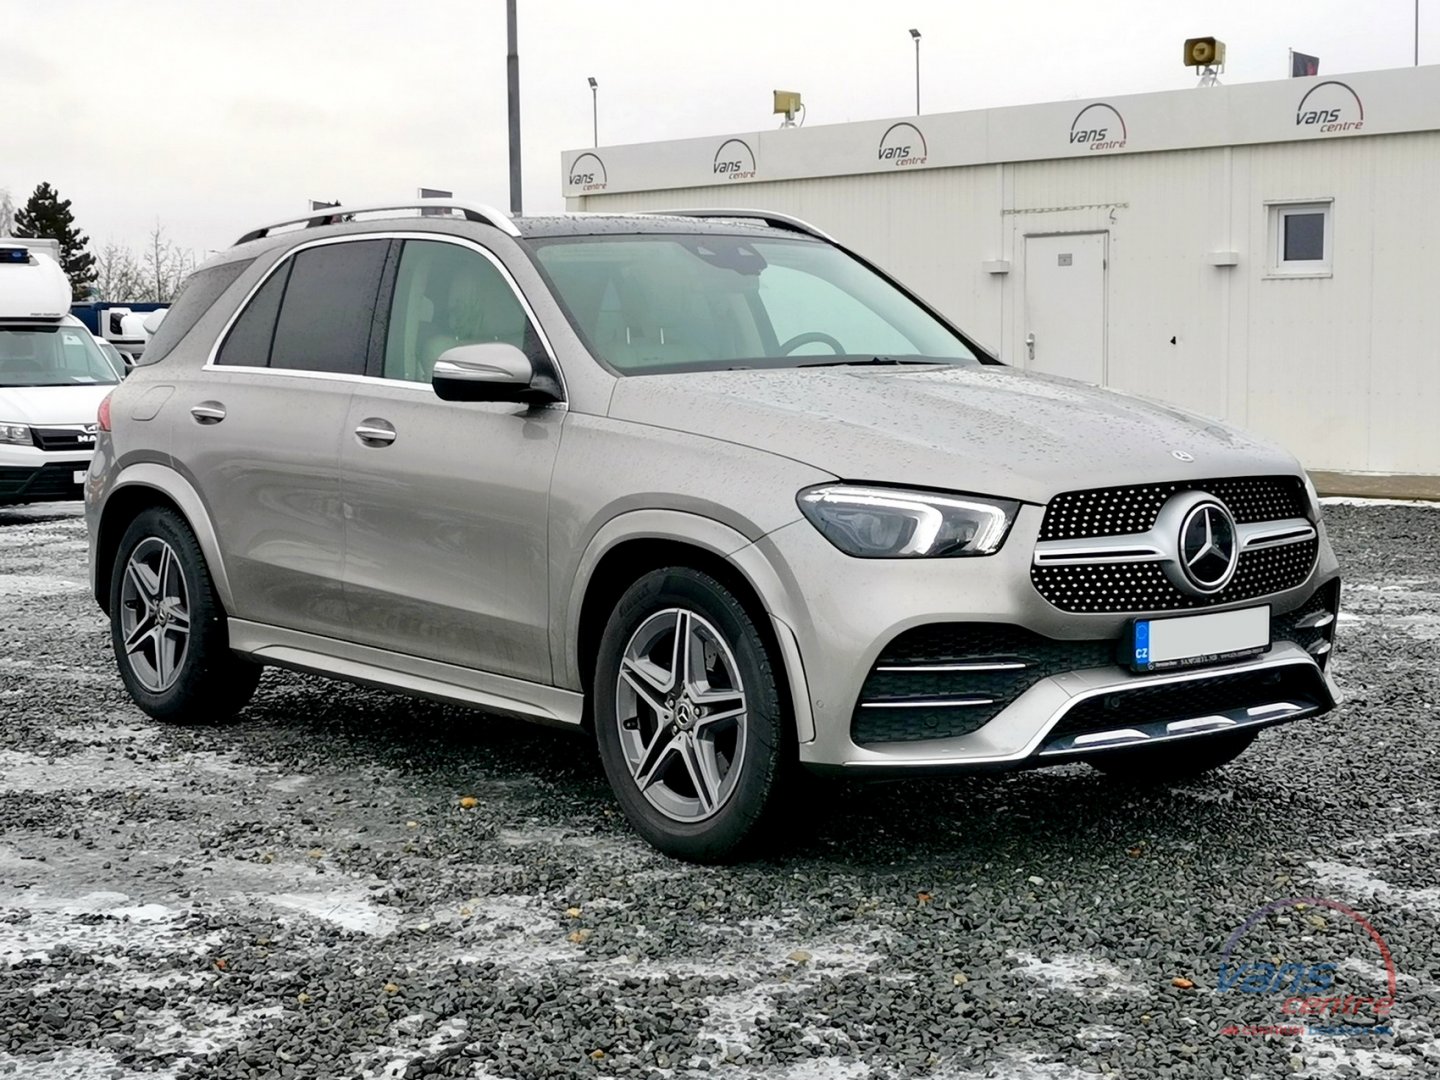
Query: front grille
54,481
899,709
1143,587
1078,515
62,438
1195,698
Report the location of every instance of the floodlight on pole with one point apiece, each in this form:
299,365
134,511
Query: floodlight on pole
594,108
916,35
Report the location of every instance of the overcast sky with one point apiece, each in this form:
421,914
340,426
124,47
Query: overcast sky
215,116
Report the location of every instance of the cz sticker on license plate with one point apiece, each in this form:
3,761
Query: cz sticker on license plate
1193,640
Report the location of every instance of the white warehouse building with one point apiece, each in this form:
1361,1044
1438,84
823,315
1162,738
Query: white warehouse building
1267,253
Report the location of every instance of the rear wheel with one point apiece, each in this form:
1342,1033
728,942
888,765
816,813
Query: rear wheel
168,628
689,716
1180,760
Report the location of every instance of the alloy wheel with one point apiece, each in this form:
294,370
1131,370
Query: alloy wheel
681,714
154,614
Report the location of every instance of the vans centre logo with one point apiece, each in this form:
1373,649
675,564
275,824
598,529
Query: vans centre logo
734,160
1099,127
903,144
1307,966
1330,107
587,172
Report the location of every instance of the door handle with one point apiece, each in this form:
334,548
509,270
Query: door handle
375,432
1030,345
208,412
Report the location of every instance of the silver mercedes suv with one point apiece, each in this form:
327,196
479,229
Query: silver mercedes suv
705,484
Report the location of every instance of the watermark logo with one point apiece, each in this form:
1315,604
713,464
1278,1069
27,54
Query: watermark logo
1309,994
903,144
587,172
734,160
1099,127
1330,107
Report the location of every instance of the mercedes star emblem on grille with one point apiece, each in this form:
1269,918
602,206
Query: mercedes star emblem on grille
1209,548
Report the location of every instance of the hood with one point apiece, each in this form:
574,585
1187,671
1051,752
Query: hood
42,405
986,430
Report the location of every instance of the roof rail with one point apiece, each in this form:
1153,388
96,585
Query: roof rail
486,215
778,221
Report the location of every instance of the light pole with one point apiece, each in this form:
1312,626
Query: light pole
916,35
512,79
595,109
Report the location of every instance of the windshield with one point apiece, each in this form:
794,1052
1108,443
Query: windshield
696,302
52,356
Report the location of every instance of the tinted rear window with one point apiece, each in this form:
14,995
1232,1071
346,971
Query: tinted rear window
201,290
329,303
248,343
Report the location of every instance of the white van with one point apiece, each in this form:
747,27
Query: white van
53,377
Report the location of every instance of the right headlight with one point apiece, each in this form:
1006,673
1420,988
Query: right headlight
15,434
895,523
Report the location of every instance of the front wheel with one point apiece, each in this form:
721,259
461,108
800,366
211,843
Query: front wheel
689,716
168,628
1180,760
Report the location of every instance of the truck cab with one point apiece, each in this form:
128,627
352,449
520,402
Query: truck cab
53,377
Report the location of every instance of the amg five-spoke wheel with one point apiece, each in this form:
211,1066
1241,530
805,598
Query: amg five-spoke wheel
168,628
688,714
681,714
154,614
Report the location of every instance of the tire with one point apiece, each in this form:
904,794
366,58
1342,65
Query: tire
727,726
1181,760
159,586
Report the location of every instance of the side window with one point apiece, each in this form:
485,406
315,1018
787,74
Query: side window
1300,239
448,295
329,302
248,343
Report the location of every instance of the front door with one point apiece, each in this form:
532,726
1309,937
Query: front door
1065,305
446,503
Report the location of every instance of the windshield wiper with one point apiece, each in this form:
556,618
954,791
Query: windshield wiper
871,362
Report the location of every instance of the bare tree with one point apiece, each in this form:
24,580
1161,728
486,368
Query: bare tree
165,267
7,213
119,277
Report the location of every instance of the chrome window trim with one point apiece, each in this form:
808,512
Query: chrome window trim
375,380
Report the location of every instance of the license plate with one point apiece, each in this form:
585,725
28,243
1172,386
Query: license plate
1191,640
79,476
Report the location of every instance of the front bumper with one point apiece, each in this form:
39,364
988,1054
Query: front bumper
31,475
844,612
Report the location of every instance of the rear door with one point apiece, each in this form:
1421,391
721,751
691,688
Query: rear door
446,502
262,432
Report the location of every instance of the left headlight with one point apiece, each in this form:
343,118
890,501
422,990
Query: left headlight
893,523
15,434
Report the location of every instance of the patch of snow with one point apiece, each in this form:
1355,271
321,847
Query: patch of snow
1359,881
1327,1057
1077,974
347,907
1351,500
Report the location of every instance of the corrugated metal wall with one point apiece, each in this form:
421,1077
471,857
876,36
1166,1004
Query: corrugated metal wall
1344,370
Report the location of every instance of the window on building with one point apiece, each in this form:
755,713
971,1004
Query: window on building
1300,239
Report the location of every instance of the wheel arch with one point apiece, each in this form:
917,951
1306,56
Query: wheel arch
138,488
632,545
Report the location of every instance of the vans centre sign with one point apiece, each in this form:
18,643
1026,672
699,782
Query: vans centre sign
1366,103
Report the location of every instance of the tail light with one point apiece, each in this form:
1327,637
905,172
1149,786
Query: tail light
102,414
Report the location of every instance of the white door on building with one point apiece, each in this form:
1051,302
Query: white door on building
1064,330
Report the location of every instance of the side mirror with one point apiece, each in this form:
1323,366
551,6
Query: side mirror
153,320
493,371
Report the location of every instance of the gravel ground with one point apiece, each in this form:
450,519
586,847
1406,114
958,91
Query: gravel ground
302,893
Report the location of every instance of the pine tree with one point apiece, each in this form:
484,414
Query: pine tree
46,215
